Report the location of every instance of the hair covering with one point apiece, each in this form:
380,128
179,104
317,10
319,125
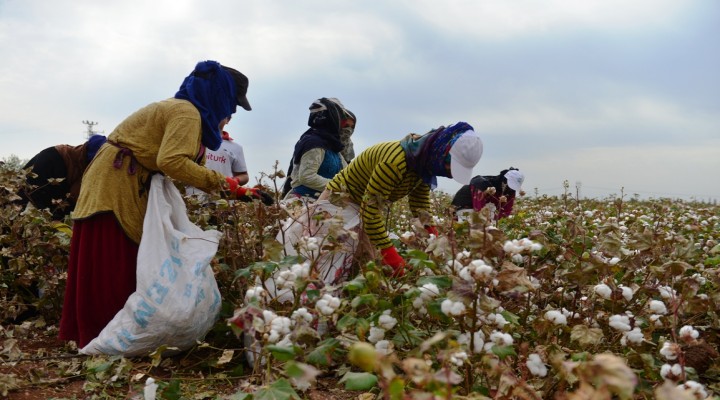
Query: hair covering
93,145
213,91
325,118
426,155
346,131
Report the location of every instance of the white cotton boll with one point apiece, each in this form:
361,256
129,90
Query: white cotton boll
535,247
384,347
670,351
498,320
556,317
634,336
620,322
281,325
500,339
613,261
627,292
511,247
657,307
376,334
603,291
478,342
454,266
672,372
429,290
465,275
150,389
407,235
301,270
463,339
687,332
536,365
462,254
273,337
517,258
454,308
666,292
418,302
459,358
302,314
387,322
268,316
697,389
256,292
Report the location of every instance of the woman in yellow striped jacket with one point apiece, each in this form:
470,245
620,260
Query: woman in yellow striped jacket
389,171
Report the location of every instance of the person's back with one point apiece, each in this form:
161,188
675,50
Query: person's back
64,162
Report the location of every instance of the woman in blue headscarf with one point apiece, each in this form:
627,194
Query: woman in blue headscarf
169,137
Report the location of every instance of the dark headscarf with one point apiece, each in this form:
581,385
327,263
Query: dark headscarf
426,154
212,90
324,121
93,145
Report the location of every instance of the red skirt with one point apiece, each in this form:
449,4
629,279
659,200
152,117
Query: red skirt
100,277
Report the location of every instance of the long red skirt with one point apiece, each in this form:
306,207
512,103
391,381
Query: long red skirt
101,277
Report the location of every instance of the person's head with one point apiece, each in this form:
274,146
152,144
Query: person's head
513,179
328,113
462,152
216,91
93,145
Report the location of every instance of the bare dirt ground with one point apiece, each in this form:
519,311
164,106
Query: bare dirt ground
35,364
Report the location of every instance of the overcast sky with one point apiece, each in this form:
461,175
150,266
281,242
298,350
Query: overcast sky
620,96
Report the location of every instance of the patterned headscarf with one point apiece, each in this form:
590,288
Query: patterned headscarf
426,154
211,89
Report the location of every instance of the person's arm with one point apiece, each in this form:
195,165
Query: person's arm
176,156
242,177
307,170
419,199
238,166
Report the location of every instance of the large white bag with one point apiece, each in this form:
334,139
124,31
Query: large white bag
177,300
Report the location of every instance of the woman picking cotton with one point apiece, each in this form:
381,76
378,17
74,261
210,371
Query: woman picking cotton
381,175
168,137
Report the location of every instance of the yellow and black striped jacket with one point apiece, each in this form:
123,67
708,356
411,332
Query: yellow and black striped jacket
377,177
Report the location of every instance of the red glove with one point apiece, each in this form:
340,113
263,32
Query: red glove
392,258
431,229
247,194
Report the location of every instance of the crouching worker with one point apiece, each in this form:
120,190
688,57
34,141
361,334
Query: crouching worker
167,137
381,175
64,162
498,191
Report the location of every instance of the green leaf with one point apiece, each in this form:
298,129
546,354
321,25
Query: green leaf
281,353
503,351
441,281
356,285
510,317
369,299
345,322
278,390
322,355
359,380
243,273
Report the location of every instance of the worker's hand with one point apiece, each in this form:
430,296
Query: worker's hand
247,194
392,258
432,229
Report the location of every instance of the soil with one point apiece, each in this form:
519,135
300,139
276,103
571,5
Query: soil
35,364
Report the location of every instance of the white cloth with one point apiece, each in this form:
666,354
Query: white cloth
228,160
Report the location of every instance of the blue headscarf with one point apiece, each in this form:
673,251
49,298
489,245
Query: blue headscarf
426,154
211,89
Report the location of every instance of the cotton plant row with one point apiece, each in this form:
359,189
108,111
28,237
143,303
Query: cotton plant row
562,297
